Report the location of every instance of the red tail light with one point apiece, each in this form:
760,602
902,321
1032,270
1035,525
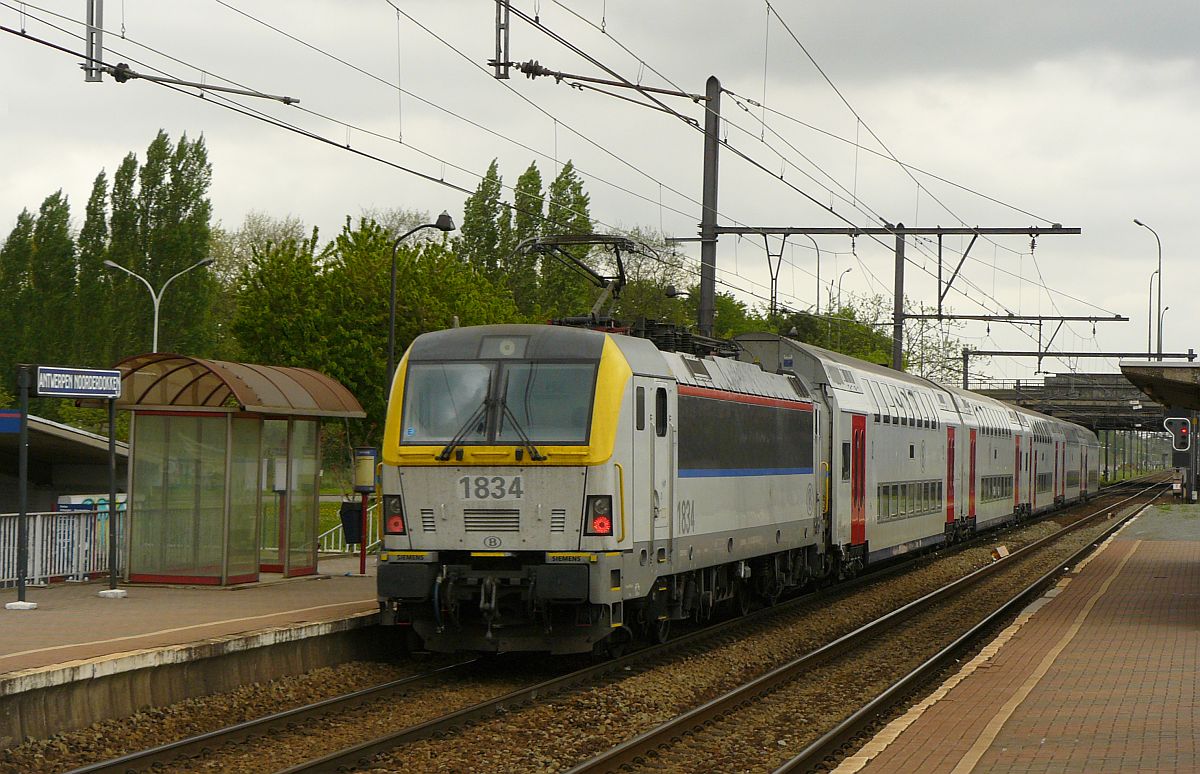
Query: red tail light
393,515
597,516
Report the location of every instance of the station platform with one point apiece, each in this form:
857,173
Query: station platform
1098,675
194,640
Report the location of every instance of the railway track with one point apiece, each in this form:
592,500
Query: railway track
179,753
658,748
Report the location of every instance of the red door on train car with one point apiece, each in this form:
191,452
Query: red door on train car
1056,476
1033,486
949,475
971,484
858,480
1017,477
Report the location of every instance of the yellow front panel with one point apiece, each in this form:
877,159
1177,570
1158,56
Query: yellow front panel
611,382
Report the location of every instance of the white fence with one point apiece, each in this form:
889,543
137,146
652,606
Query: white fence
63,545
333,541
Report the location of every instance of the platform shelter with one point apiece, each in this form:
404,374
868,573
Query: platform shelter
225,464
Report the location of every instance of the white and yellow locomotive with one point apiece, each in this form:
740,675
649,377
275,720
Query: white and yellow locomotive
564,489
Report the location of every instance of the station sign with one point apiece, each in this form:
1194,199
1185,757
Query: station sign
61,382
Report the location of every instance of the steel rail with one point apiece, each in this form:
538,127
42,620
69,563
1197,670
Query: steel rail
196,745
821,750
639,748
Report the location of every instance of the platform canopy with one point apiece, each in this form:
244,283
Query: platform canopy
162,381
1172,384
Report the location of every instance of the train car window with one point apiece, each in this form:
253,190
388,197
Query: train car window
894,507
912,452
884,501
845,460
641,408
660,412
904,501
874,396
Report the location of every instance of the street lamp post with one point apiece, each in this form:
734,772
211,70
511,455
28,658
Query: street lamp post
1160,280
839,287
157,297
443,223
1150,314
818,249
1161,315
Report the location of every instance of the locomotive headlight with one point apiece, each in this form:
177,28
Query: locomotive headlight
597,515
393,515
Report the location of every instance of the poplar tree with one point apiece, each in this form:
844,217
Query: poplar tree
94,298
563,291
520,268
52,282
486,226
15,257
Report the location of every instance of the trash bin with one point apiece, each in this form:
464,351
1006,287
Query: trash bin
351,513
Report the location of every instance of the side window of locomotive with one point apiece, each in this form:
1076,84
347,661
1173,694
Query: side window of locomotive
660,412
641,408
845,460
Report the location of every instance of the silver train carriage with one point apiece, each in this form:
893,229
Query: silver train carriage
562,489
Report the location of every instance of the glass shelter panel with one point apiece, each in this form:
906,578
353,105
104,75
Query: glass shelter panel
304,472
178,521
273,469
243,500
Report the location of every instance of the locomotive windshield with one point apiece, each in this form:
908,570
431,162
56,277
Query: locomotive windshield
550,402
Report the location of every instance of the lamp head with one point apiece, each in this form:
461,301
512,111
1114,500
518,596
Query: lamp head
1135,220
207,261
444,222
111,264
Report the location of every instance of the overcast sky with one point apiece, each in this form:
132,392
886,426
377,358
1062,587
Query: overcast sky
1079,112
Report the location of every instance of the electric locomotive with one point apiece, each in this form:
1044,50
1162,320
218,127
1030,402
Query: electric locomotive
564,489
555,488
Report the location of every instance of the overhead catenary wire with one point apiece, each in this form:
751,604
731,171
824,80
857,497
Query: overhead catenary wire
255,114
338,144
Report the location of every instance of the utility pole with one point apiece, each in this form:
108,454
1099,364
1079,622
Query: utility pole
708,213
898,304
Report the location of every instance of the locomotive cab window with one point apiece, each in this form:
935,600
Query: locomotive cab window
641,408
548,402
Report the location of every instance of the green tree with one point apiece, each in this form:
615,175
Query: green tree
563,291
94,298
650,270
519,268
158,230
486,228
16,254
280,299
52,281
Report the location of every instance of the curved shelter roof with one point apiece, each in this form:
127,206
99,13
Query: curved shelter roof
162,381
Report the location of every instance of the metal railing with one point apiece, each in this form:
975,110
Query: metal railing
63,545
333,541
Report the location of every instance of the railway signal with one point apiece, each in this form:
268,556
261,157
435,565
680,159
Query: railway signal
1180,429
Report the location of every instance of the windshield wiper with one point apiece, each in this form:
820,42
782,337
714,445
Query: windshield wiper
505,411
480,414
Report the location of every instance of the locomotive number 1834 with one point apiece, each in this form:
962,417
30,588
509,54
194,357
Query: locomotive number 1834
491,488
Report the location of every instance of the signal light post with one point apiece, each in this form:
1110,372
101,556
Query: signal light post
1180,429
